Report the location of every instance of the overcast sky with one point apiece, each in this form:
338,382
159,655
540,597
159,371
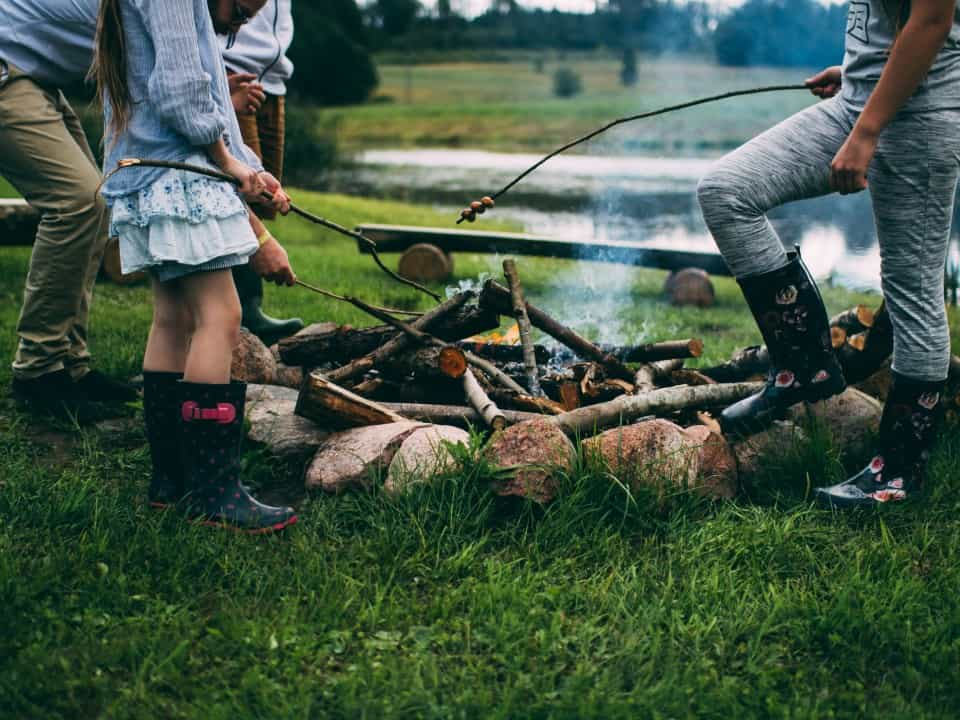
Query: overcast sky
477,6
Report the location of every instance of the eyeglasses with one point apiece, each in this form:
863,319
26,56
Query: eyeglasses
240,17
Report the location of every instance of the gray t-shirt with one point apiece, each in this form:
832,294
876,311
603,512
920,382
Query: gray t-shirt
870,35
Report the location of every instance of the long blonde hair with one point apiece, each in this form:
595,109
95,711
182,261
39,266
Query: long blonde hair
109,68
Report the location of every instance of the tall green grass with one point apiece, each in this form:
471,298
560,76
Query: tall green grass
449,602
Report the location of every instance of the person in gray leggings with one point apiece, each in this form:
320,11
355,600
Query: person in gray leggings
890,122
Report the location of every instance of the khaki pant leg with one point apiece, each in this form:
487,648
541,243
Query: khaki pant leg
78,360
55,172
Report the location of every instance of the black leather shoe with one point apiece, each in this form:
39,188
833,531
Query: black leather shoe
908,429
803,366
211,429
98,387
55,395
250,290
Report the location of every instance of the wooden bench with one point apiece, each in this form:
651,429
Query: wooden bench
426,250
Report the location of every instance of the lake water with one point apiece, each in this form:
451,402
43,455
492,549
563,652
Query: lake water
643,199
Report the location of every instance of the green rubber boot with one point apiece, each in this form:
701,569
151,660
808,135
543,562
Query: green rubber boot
250,289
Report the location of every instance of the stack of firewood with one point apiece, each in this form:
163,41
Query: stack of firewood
441,368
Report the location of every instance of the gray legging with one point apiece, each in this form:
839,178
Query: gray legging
912,181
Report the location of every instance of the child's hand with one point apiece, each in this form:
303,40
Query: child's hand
250,183
246,96
272,263
826,83
281,201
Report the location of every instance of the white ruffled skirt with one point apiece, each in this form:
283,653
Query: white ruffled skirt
181,224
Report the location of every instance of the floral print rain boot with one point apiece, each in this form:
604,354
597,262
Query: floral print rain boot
160,412
803,366
211,425
908,428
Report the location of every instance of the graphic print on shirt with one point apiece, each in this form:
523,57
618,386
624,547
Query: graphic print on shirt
857,20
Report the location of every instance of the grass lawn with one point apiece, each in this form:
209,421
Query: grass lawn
511,106
448,603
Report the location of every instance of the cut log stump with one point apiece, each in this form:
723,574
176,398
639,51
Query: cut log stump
690,286
424,262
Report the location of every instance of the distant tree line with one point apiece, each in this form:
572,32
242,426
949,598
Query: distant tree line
335,39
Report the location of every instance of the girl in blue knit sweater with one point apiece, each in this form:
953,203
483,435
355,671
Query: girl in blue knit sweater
160,74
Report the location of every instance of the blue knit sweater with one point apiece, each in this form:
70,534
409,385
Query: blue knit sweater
178,89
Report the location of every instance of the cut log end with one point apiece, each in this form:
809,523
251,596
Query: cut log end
690,286
424,262
452,362
696,347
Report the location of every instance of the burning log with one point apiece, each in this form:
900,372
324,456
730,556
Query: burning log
523,322
323,343
361,365
333,406
497,297
501,353
654,352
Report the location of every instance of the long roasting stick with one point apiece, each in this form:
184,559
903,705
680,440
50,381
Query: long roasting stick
480,206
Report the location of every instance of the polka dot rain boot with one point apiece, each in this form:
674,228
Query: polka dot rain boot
803,366
908,428
211,430
161,408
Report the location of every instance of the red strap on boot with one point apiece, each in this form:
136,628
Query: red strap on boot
223,413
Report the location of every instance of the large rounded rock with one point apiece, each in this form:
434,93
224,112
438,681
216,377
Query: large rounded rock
350,460
252,360
533,452
660,454
753,451
717,465
272,422
424,454
853,418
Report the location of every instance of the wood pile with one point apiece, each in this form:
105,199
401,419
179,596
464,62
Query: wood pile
450,367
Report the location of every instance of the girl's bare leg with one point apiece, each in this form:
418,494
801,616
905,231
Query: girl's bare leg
170,332
215,308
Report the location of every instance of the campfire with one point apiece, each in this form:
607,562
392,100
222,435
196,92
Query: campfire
454,366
